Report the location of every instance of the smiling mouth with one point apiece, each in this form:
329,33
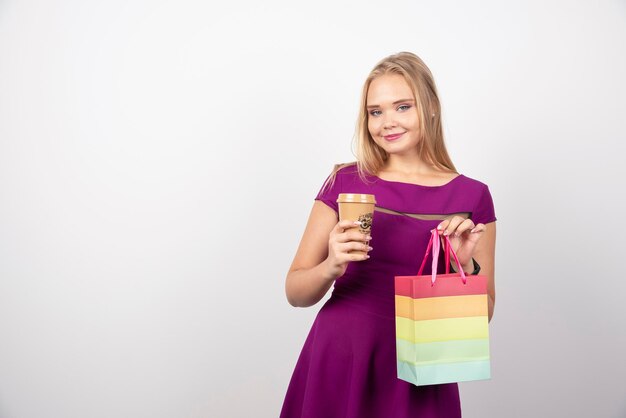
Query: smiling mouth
393,137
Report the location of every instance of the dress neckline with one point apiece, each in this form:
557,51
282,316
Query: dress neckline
419,185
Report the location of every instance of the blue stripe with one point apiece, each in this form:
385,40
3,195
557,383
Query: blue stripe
444,373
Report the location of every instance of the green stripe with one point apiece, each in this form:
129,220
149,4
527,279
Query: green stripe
431,330
444,373
442,351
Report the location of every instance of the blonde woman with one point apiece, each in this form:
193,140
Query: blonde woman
347,367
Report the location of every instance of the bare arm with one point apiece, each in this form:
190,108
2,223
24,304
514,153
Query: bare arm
484,254
480,245
322,256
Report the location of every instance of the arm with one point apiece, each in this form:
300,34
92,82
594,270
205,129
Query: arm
484,253
322,256
480,245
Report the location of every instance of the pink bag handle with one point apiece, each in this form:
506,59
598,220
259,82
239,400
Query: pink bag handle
435,245
447,255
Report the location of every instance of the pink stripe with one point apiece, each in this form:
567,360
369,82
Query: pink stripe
417,287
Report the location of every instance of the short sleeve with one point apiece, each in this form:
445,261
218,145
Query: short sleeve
330,191
484,211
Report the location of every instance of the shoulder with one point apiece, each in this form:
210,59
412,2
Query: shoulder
469,190
471,183
477,195
346,169
345,173
350,176
338,177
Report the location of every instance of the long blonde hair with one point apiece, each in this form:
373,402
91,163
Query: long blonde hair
370,157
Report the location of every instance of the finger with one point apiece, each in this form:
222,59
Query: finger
443,225
479,228
357,236
464,226
453,224
347,252
355,246
344,226
358,257
341,226
353,235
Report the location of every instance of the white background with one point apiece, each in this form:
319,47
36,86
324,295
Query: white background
158,161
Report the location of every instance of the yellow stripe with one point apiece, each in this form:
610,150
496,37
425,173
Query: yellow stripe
441,307
442,329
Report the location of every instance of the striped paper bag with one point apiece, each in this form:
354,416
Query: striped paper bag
442,332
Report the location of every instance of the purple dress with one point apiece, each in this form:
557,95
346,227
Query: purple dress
347,367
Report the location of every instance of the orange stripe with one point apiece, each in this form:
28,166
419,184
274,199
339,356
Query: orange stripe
441,307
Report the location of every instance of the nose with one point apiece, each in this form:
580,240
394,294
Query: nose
389,122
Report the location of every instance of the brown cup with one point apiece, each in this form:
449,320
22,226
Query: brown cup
357,207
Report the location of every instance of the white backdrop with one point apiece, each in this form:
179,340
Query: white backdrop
158,161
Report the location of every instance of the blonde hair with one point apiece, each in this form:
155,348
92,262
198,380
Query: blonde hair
371,158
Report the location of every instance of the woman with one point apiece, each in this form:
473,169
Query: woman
347,367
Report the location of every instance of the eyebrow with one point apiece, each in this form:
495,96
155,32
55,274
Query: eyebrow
396,102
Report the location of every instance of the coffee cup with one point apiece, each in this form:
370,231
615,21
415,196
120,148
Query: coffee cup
357,207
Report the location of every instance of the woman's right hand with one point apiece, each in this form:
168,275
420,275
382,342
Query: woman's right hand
345,237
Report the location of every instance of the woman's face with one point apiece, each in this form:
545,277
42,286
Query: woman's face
392,118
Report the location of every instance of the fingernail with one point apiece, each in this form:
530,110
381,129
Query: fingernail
357,223
446,233
456,234
438,227
368,238
369,248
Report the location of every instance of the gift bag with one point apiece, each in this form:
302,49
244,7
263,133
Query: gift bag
442,332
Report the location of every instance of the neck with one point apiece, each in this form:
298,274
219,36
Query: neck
412,165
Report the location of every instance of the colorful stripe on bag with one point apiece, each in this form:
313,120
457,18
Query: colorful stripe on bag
444,373
432,330
447,285
442,351
441,307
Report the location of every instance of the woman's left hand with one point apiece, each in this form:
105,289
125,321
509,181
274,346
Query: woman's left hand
464,236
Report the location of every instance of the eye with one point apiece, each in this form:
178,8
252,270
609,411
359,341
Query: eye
404,107
375,112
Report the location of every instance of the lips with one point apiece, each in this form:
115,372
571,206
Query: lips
393,137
